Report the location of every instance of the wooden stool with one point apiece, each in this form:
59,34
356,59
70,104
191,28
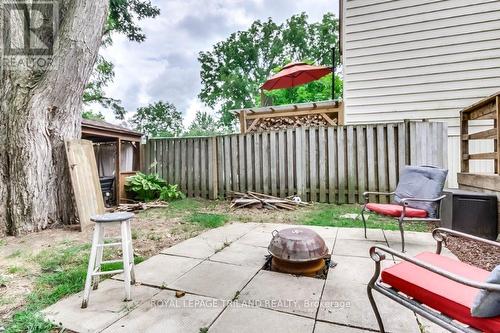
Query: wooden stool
98,244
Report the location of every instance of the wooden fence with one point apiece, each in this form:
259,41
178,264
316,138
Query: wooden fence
332,164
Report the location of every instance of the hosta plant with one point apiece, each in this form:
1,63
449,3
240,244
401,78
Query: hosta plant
171,192
152,187
145,187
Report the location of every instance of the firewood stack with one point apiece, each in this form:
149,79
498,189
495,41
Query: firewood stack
136,206
280,123
260,201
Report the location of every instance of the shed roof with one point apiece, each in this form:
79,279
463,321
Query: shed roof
108,128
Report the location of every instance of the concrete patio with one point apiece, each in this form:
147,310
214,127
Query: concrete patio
227,290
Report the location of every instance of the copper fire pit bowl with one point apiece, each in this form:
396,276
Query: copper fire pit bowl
298,251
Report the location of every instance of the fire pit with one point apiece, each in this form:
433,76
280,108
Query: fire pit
298,251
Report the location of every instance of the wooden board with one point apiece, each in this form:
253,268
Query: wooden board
85,180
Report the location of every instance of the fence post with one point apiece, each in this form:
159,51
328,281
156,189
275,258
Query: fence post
212,168
300,162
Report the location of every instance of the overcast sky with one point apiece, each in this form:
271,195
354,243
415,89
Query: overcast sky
165,66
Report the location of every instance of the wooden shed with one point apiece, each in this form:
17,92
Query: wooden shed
118,152
324,113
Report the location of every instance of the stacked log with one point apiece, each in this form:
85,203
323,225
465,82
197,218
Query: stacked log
281,123
259,200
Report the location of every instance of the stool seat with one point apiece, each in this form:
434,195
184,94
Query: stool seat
112,217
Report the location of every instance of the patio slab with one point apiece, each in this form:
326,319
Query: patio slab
354,248
347,304
429,327
354,269
166,313
256,237
283,292
359,234
105,306
415,243
161,270
210,242
196,247
214,279
246,319
413,237
228,233
242,254
322,327
215,268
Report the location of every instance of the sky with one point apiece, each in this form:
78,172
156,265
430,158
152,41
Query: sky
165,66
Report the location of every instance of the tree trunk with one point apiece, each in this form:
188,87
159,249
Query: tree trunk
39,111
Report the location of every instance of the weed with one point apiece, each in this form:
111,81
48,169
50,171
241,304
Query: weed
17,270
208,220
28,321
135,234
224,245
154,236
3,281
14,254
187,205
244,218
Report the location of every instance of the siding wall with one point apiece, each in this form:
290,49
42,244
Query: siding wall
427,59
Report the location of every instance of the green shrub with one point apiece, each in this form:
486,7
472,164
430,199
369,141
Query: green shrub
171,192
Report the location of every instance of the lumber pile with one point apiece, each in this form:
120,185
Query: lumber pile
260,201
136,206
280,123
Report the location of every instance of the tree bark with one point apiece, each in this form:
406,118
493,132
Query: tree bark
39,111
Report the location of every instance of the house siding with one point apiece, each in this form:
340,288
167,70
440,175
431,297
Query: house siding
421,60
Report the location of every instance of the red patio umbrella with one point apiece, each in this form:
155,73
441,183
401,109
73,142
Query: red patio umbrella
295,74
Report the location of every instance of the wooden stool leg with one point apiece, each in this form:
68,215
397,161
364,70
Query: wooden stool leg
126,259
131,253
90,269
100,250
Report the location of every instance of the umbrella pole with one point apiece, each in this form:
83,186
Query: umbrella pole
333,73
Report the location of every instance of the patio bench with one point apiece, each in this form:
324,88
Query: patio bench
438,288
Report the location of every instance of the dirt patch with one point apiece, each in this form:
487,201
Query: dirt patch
474,253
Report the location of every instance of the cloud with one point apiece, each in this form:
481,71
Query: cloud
206,26
165,66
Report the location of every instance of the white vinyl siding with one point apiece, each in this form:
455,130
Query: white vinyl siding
427,59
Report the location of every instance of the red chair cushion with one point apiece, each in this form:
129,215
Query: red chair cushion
438,292
395,210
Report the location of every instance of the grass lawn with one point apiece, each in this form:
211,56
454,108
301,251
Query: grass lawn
54,267
62,272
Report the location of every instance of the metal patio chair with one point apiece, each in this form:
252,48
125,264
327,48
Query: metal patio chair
438,288
417,197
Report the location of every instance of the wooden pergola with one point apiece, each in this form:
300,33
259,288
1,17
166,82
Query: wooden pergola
102,132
